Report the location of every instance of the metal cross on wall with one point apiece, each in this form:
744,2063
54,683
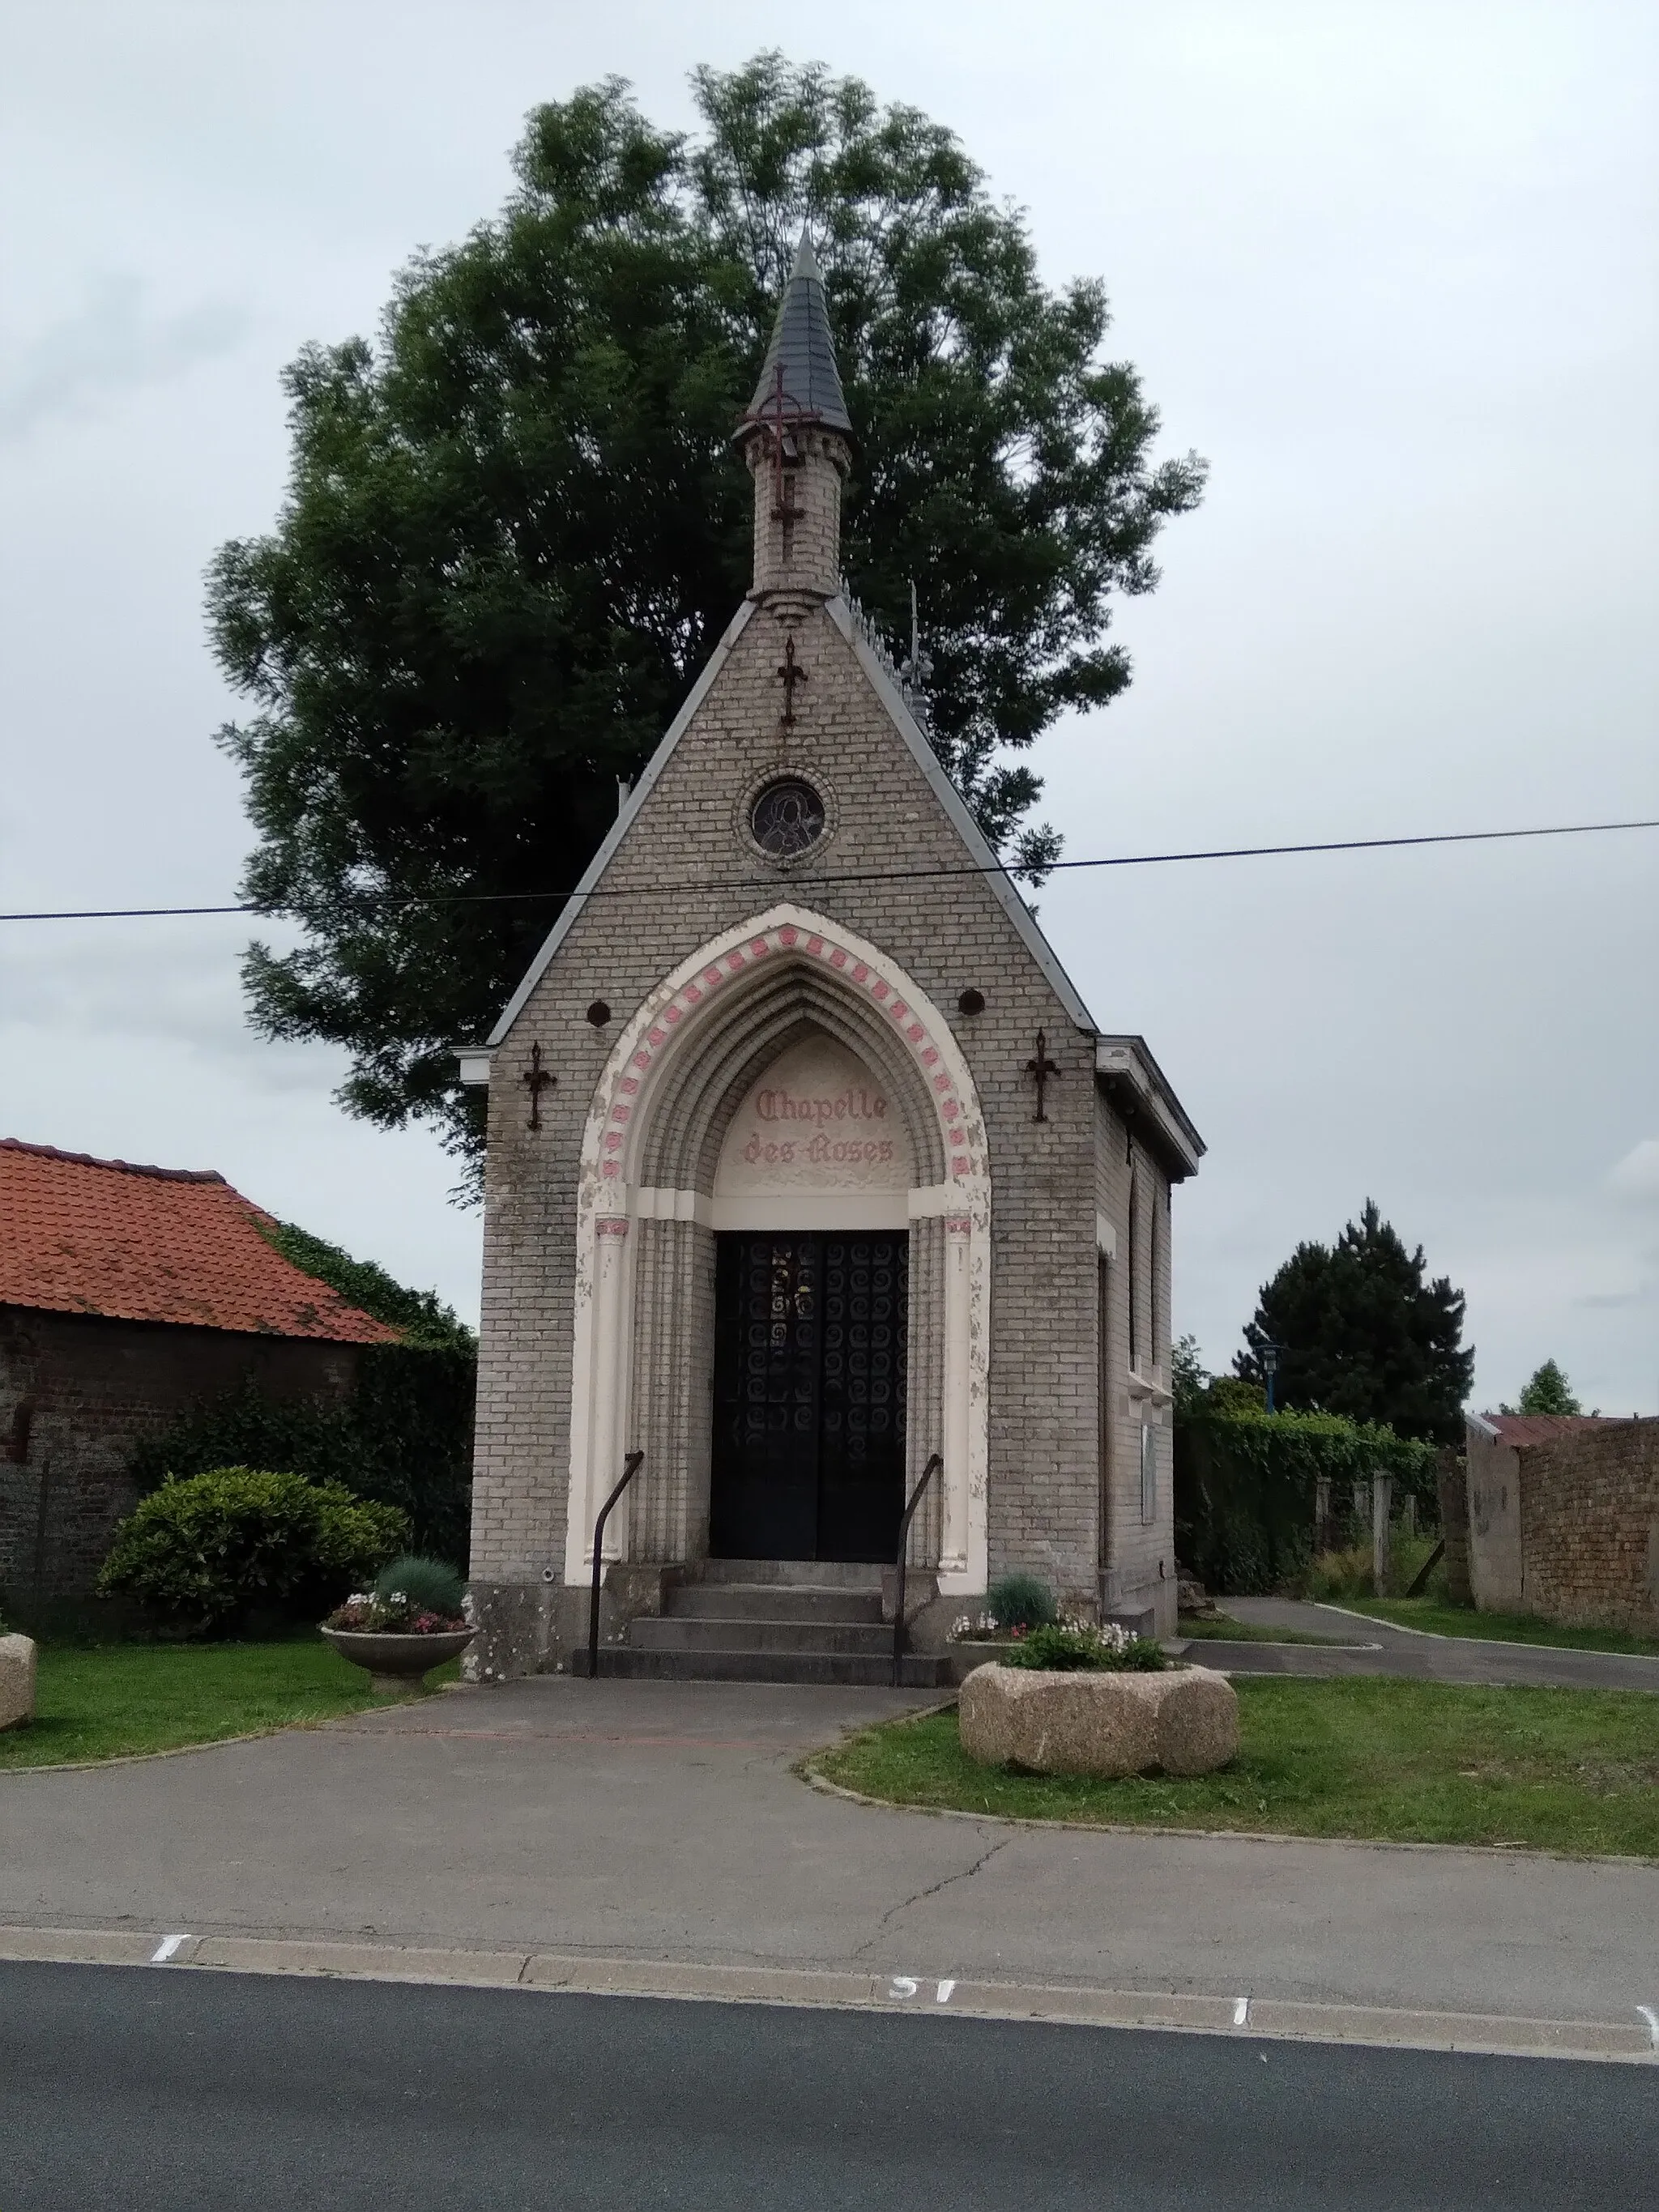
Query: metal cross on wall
791,675
1041,1067
536,1079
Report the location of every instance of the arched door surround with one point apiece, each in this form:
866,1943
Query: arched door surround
648,1208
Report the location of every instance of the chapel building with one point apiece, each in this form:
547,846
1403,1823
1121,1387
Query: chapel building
807,1165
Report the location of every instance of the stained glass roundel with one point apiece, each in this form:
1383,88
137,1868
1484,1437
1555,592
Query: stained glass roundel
787,818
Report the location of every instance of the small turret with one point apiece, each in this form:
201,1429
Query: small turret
797,438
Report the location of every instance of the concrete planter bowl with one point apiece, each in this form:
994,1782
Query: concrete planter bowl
394,1664
1183,1721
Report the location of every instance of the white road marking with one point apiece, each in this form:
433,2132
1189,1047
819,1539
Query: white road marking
1652,2020
1241,2011
944,1990
166,1948
903,1986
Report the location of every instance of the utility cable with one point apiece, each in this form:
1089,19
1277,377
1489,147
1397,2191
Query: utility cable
861,876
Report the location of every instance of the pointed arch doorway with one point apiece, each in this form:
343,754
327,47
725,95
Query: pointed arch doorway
650,1220
812,1314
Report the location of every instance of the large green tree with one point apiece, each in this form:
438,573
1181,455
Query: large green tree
515,527
1361,1331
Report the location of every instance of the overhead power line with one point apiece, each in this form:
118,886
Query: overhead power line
857,876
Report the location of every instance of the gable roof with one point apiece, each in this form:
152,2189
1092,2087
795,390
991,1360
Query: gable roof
84,1236
980,857
803,348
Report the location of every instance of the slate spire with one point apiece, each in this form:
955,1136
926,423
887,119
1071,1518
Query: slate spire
802,343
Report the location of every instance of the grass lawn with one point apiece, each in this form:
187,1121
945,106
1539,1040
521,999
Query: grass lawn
1227,1631
1442,1619
1571,1770
118,1699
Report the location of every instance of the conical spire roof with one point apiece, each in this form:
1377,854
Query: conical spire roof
802,343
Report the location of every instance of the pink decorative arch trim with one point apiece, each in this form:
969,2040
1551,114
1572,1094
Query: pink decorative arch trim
816,946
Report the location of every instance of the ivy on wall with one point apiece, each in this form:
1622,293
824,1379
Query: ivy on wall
1246,1488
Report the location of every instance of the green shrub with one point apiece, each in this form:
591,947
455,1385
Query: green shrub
1075,1650
206,1552
433,1584
1021,1601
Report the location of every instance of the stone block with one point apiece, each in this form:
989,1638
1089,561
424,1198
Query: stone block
16,1680
1184,1721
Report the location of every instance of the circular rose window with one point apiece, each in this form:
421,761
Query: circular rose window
787,818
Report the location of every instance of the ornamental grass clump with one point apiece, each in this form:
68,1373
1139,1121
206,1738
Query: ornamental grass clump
1076,1647
1021,1602
411,1596
432,1585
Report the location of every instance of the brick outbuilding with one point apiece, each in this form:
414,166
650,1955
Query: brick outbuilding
806,1161
128,1294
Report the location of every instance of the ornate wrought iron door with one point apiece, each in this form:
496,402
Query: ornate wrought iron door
809,1396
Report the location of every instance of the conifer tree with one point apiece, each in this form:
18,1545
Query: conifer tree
1547,1391
1361,1332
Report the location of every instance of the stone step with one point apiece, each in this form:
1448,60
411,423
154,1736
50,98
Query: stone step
847,1669
692,1633
770,1601
815,1574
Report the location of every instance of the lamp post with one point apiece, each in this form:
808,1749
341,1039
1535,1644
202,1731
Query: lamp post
1269,1369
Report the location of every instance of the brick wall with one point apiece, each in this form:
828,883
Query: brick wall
1589,1527
1137,1559
92,1388
949,935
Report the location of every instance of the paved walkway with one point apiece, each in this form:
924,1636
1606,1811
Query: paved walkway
663,1822
1385,1649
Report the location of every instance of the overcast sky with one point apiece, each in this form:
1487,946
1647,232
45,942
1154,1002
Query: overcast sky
1390,268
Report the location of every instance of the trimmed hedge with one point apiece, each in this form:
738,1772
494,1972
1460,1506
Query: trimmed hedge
1244,1488
207,1552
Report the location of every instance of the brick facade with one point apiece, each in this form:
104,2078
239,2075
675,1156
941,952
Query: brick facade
1567,1526
894,867
78,1391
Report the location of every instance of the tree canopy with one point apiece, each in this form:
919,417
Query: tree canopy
515,527
1547,1391
1362,1333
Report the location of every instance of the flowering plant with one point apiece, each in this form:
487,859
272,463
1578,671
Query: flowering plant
976,1625
985,1628
1080,1647
394,1615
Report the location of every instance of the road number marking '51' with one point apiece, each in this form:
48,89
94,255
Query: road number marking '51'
906,1985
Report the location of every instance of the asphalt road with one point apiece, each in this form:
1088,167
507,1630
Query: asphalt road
137,2090
662,1821
1378,1647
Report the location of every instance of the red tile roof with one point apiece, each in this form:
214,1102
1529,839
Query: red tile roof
101,1236
1544,1428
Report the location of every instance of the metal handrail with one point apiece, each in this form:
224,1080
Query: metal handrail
927,1474
630,1467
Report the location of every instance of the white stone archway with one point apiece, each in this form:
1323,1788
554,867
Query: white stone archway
650,1150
